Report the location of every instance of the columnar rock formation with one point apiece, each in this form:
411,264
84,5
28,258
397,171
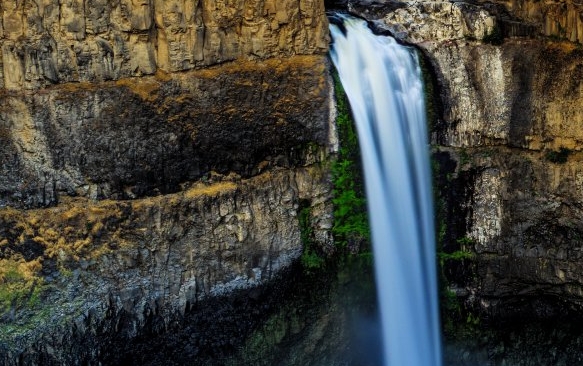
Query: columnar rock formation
47,41
153,154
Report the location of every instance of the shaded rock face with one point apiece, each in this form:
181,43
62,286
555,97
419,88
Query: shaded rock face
147,136
45,41
154,159
508,140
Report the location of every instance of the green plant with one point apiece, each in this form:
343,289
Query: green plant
458,255
350,215
310,258
465,242
558,157
461,254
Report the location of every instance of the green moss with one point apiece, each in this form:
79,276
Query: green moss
350,215
455,314
9,332
311,259
19,286
431,103
450,305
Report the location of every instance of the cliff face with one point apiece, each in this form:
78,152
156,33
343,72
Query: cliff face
113,271
154,155
46,42
508,138
149,135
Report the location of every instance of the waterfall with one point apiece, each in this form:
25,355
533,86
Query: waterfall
383,84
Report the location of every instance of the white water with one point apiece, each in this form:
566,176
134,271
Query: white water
383,84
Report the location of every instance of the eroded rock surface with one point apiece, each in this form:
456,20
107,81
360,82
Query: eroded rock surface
148,135
112,268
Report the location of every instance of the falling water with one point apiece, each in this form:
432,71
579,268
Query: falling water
382,81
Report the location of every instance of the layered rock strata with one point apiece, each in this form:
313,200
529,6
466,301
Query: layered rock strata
111,269
154,156
147,136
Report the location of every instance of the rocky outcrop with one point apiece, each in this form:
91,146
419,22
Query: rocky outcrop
508,138
48,42
125,203
557,19
155,158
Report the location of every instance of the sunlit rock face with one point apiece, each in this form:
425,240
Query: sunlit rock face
508,79
46,42
560,19
154,155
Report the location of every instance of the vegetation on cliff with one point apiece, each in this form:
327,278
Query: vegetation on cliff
311,258
351,228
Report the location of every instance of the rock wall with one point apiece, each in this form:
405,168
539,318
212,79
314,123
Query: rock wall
154,157
146,136
121,269
47,42
508,139
558,19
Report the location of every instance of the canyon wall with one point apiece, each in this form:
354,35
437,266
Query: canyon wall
155,156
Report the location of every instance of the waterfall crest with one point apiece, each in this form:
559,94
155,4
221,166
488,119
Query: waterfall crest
382,80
